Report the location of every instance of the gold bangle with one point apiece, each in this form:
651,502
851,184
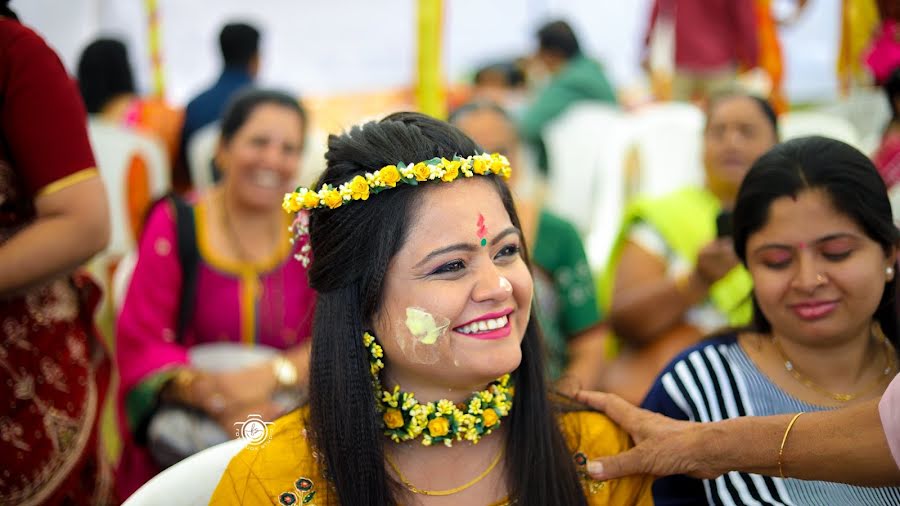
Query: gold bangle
783,441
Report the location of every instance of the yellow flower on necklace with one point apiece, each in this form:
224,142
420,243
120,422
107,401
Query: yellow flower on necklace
438,427
490,417
359,188
421,171
389,176
332,199
310,199
393,418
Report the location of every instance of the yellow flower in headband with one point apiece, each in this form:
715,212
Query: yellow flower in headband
480,166
310,199
292,203
359,188
451,170
389,176
332,199
498,164
421,171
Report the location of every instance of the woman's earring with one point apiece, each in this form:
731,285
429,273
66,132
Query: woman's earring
889,273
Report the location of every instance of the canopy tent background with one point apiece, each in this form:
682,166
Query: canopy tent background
351,46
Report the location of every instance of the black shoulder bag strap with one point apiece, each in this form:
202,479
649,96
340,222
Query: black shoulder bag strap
189,259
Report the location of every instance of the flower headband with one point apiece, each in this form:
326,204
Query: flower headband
303,200
360,187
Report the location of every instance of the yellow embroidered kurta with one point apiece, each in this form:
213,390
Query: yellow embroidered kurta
284,471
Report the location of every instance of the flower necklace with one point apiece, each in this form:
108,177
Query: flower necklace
405,419
801,378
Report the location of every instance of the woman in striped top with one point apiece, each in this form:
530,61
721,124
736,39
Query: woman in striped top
812,224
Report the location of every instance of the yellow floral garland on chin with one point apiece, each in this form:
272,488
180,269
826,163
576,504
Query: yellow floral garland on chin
404,418
389,176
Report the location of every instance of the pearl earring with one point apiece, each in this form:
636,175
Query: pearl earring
889,272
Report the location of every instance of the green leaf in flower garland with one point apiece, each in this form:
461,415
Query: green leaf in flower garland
433,161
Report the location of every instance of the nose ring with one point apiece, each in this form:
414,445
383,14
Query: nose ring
821,279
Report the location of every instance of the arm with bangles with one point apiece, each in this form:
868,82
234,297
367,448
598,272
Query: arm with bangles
231,396
845,445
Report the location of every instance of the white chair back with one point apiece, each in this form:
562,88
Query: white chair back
668,137
200,152
803,123
581,158
114,149
189,482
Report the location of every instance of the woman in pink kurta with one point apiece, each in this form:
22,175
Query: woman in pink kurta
249,288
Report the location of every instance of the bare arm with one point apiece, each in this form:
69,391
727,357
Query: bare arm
647,303
587,357
845,445
72,225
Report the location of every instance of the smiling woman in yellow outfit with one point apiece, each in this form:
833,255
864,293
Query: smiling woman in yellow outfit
427,383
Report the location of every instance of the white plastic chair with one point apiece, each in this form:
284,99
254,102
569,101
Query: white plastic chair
114,148
803,123
189,482
200,152
668,138
578,155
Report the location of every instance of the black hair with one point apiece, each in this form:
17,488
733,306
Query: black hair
558,37
476,106
349,279
242,105
6,11
892,90
764,106
850,181
239,43
104,73
512,74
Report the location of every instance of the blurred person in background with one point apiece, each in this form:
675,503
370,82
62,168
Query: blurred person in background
567,307
503,83
887,156
54,369
714,40
107,87
571,77
239,44
238,282
673,276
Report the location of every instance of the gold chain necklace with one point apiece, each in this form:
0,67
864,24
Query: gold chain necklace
234,238
450,491
889,365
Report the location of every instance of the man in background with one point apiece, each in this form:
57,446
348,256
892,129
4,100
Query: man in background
239,43
573,78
